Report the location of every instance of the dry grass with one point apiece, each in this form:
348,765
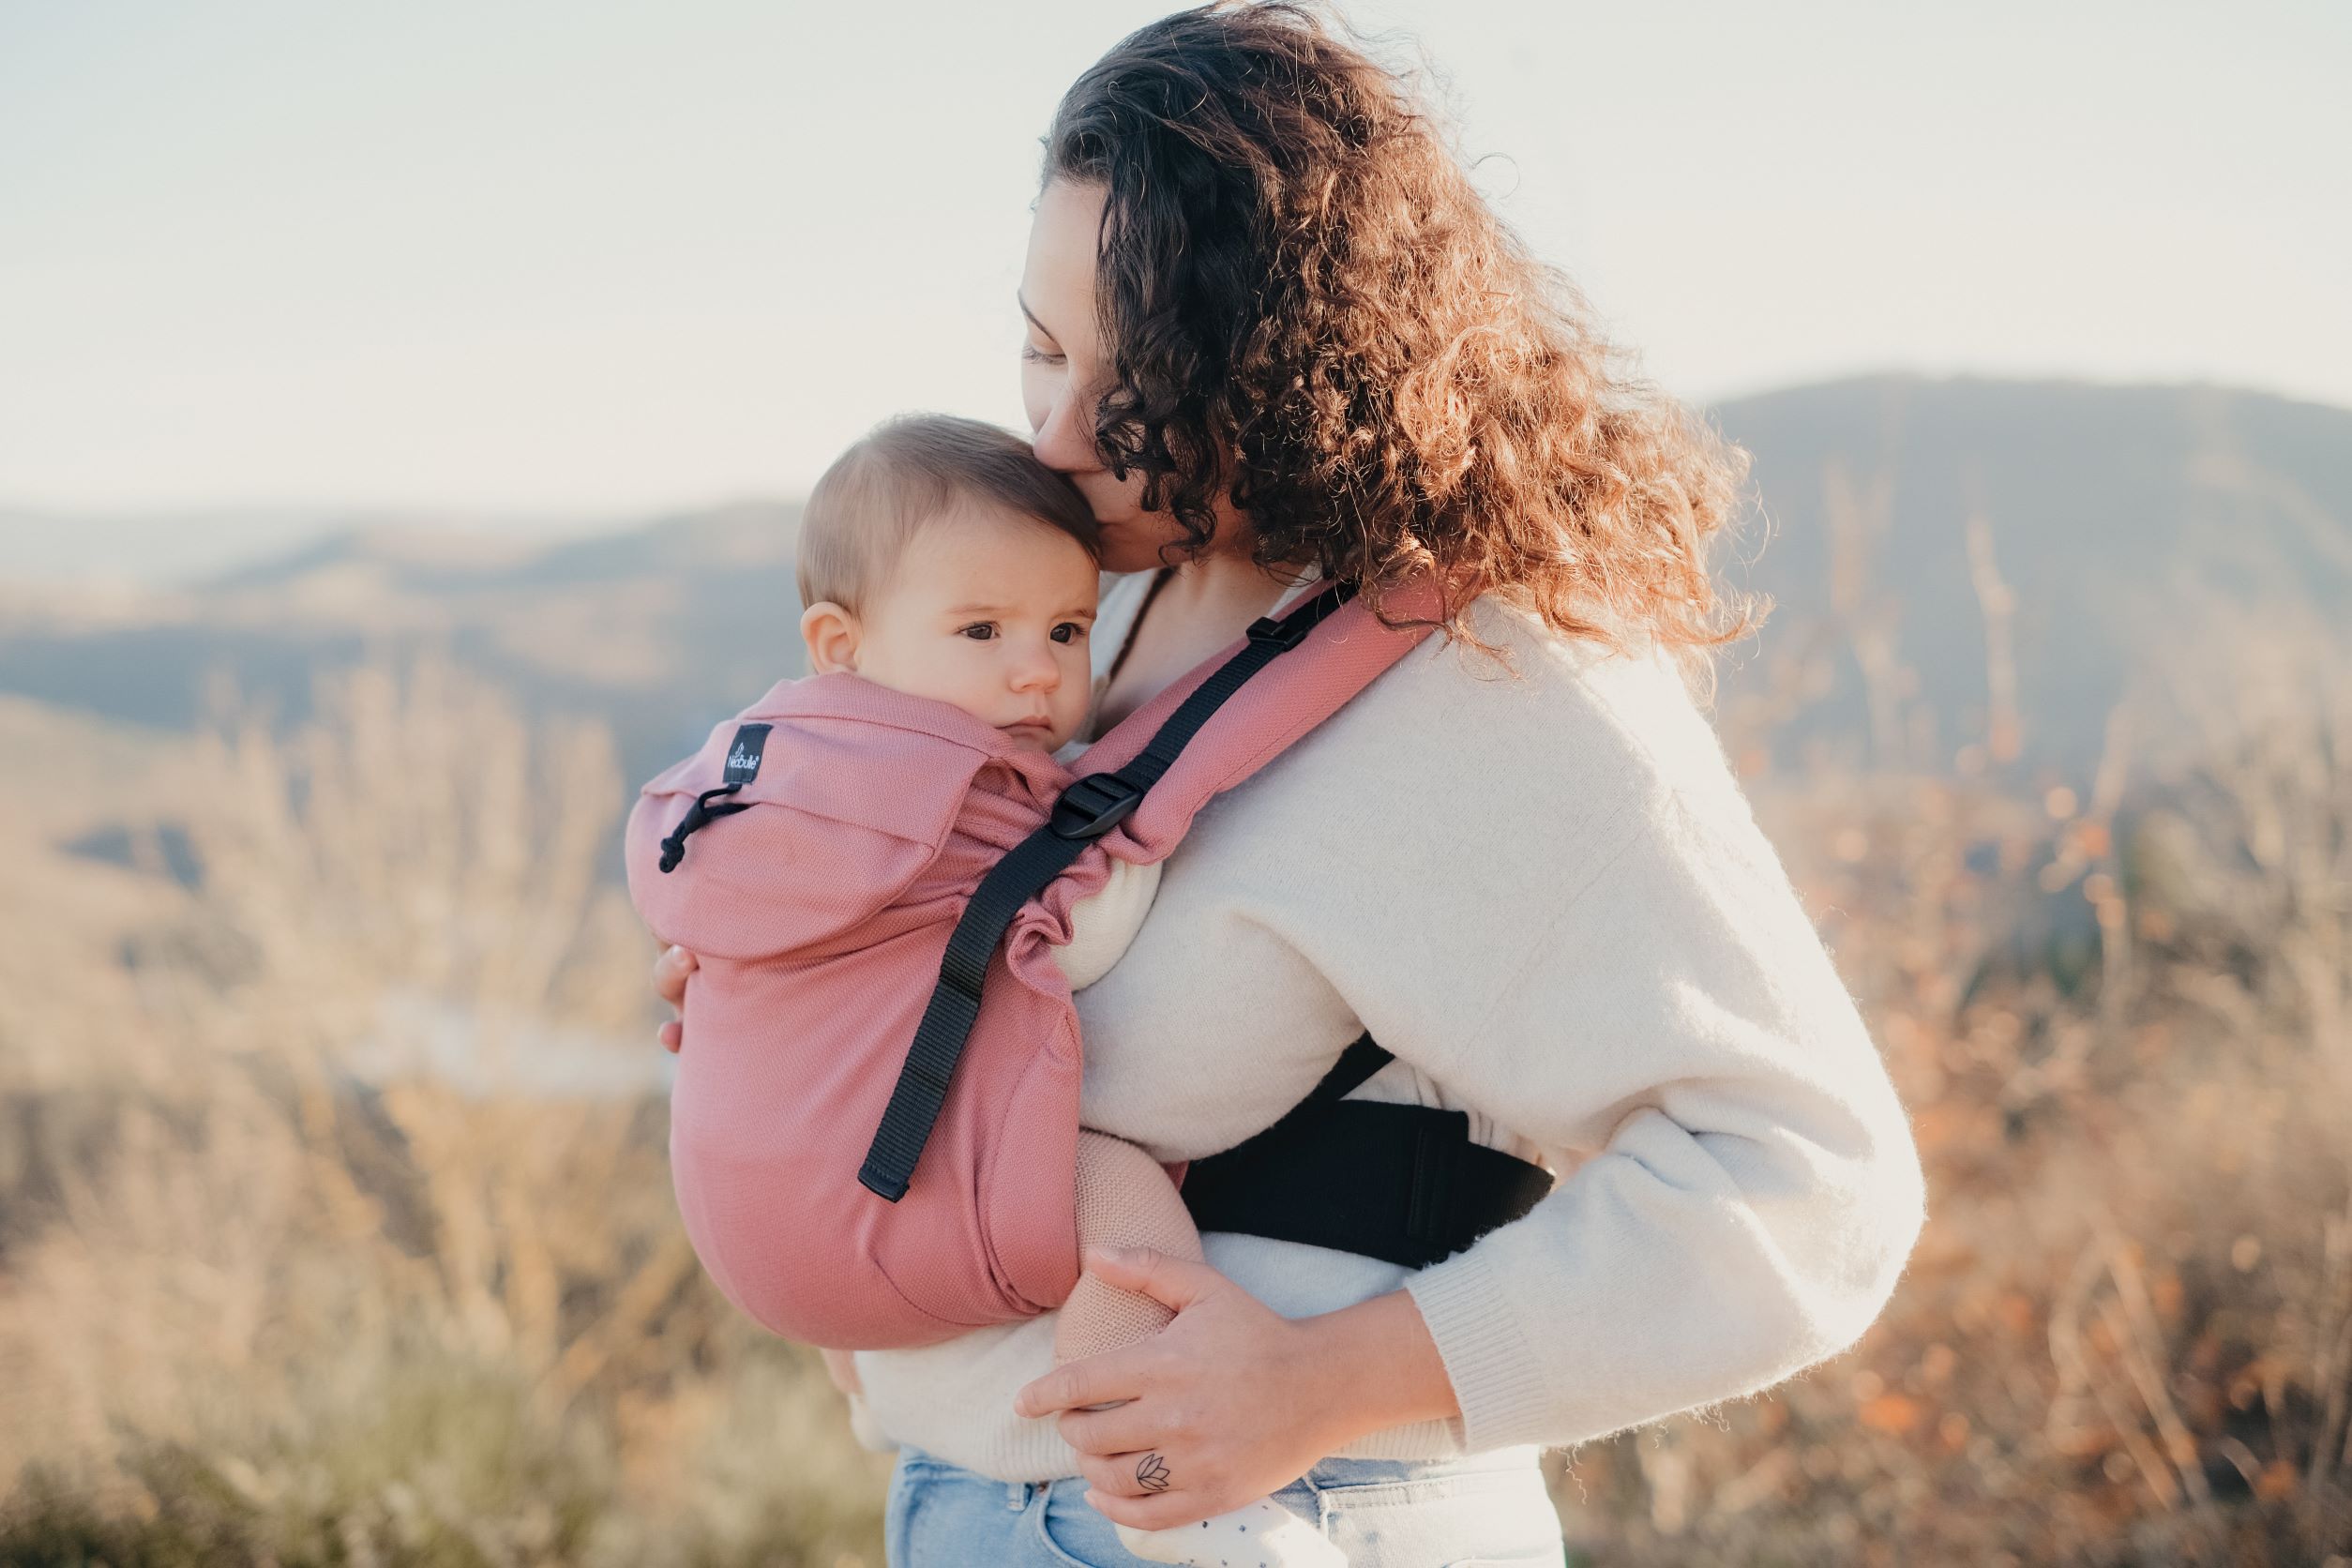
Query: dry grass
259,1305
2120,1018
274,1288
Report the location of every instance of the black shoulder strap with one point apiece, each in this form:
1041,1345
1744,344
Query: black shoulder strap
1363,1057
1089,807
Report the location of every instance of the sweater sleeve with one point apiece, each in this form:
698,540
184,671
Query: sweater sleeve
1742,1189
1106,920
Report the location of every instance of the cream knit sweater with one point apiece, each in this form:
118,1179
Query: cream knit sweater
1547,898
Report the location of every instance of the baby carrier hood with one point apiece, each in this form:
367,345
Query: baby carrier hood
855,800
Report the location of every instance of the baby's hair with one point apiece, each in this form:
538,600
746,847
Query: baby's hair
904,472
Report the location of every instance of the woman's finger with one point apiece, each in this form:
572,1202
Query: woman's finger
1173,1282
1147,1472
670,981
1123,1430
670,973
1096,1380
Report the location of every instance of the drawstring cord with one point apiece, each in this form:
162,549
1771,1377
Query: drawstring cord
701,814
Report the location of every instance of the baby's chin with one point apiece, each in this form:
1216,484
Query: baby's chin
1035,740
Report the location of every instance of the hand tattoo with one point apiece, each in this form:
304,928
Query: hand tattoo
1151,1473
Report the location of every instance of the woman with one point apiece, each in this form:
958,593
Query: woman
1274,334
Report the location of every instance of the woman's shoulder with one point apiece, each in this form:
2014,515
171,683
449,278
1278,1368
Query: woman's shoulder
1492,791
1545,712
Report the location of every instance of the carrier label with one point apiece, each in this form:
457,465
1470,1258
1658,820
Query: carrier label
742,758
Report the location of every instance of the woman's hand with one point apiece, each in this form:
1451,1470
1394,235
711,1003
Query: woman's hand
1229,1402
669,978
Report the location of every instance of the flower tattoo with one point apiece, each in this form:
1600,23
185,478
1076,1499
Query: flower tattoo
1152,1473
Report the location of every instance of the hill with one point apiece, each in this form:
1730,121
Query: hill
2107,517
2113,515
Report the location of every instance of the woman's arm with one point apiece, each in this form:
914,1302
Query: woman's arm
1747,1215
1747,1189
1576,928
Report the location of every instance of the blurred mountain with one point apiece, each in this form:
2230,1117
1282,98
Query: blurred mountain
660,632
178,549
2110,519
2105,518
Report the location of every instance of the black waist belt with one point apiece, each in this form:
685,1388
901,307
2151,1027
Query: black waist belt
1400,1183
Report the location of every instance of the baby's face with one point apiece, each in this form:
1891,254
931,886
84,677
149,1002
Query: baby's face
992,611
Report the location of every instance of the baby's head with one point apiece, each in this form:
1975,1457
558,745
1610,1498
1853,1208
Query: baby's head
939,558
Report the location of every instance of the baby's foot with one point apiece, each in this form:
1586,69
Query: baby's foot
1261,1534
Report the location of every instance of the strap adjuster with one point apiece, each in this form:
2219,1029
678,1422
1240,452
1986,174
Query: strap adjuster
1094,805
1285,634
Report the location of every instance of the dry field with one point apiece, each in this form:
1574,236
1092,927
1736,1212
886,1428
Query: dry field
334,1224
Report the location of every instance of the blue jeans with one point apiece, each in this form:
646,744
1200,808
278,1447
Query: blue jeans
1481,1509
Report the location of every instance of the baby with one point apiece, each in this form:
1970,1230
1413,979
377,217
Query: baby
939,558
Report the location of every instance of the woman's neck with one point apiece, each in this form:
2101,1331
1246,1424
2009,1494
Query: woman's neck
1201,607
1220,594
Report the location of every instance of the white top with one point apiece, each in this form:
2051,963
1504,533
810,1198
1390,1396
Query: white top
1548,899
1103,923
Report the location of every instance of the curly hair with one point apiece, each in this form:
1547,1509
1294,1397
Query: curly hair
1307,307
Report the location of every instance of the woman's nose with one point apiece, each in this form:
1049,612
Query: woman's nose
1065,442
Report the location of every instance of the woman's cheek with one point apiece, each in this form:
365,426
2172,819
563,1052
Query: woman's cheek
1036,400
1054,427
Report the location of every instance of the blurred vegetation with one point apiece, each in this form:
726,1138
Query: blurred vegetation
277,1287
334,1225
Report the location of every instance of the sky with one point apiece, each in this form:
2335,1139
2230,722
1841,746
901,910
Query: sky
598,260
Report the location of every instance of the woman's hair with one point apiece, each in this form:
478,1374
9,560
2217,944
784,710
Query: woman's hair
1306,306
902,475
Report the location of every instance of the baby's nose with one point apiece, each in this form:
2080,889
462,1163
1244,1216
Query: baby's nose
1039,671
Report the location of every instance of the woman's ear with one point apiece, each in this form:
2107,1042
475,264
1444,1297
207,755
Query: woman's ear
831,633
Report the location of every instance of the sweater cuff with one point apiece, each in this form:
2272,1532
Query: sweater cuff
1496,1375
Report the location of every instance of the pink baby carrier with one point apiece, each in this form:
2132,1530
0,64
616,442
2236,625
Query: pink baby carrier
874,1123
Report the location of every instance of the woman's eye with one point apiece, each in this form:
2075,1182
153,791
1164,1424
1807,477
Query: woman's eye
986,630
1075,630
1031,351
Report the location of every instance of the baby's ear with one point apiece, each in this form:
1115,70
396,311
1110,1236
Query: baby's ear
831,633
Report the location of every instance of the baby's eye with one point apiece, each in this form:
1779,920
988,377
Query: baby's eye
1075,630
986,628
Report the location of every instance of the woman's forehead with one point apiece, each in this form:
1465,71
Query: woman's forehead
1058,282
